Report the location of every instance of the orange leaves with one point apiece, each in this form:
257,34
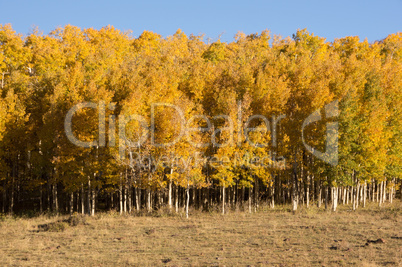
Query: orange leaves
45,75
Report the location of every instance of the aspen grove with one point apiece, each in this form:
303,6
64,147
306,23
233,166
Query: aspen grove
261,82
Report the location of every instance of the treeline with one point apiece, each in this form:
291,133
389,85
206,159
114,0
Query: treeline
262,119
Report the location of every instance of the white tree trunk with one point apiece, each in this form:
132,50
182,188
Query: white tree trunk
121,195
294,188
379,192
93,197
319,195
308,191
89,197
373,190
125,198
357,194
148,199
250,191
177,199
170,193
391,191
129,196
257,194
223,199
55,199
82,199
344,196
364,194
187,199
138,198
334,198
71,203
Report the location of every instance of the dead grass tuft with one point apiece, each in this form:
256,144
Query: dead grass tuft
366,237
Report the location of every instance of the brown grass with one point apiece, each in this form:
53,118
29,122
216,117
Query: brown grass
268,237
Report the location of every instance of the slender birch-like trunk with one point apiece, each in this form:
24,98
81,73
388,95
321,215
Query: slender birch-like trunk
187,198
89,197
53,198
357,195
243,193
223,199
234,195
308,191
56,198
125,198
193,195
11,211
184,199
373,190
294,188
364,194
379,192
77,200
130,197
312,188
177,199
334,198
148,199
93,199
170,190
250,192
82,199
257,194
229,194
71,203
391,191
138,198
319,199
344,196
121,195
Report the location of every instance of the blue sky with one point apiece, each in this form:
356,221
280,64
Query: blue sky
369,19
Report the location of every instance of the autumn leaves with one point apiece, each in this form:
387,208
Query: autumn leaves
151,96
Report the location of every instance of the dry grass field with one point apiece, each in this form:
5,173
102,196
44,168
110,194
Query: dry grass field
367,237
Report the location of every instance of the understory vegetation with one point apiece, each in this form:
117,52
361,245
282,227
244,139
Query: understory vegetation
369,236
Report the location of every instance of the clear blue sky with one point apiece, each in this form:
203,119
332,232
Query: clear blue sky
369,19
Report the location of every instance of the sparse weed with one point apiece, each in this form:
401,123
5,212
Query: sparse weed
267,237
